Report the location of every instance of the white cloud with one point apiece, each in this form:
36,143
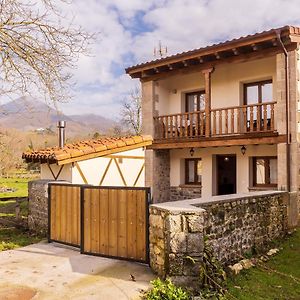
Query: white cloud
133,28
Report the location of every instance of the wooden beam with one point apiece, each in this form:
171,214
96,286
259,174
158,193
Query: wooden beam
220,142
254,47
232,59
120,172
58,173
227,46
139,175
103,153
81,173
235,51
170,67
105,172
185,64
207,78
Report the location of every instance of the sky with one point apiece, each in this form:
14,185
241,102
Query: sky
130,29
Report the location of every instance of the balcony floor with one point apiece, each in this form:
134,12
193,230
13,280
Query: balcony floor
221,141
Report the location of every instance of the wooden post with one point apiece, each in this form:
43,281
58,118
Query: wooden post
207,77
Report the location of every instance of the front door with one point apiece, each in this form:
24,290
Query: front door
226,174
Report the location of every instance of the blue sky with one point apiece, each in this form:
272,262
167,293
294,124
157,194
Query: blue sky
130,29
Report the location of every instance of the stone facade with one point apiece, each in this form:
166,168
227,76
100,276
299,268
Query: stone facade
38,206
233,225
157,174
184,192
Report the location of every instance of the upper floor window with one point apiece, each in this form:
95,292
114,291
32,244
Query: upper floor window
265,171
193,171
195,101
258,92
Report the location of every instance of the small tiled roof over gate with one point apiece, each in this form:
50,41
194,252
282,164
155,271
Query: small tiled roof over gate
87,149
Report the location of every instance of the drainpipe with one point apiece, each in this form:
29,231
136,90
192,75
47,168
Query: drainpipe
61,133
287,116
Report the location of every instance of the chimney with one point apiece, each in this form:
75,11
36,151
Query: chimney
61,133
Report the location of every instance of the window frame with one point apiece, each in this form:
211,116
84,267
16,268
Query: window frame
186,165
198,93
267,174
259,84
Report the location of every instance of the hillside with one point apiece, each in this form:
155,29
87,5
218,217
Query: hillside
28,114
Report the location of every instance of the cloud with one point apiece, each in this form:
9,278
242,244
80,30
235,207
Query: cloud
129,30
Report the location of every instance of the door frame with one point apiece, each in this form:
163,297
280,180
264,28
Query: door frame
217,189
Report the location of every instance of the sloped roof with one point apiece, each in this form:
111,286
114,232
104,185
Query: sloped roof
86,149
198,53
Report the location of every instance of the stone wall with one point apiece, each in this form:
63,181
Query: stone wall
38,206
184,192
234,225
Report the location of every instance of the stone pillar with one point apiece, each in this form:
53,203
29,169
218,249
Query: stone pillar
293,130
38,206
157,162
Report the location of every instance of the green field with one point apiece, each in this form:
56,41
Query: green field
11,238
279,278
20,184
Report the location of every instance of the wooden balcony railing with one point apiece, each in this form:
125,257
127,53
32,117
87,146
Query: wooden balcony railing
233,120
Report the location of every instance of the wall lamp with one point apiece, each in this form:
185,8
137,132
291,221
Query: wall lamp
243,150
192,151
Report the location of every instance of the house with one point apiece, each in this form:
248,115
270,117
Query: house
224,118
103,162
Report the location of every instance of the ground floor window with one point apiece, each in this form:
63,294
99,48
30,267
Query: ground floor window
193,171
265,171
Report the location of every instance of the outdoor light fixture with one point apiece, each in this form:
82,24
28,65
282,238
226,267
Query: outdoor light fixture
243,150
192,151
226,159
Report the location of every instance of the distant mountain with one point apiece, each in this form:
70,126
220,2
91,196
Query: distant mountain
28,114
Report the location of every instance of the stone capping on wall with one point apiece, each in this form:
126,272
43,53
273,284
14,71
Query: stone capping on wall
233,225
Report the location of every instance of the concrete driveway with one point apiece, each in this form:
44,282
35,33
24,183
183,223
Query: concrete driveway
52,271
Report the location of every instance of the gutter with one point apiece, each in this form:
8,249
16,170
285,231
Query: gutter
287,106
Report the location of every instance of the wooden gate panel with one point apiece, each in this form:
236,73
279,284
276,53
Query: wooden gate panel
64,214
114,222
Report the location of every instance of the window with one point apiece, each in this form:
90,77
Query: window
195,101
258,92
193,171
265,171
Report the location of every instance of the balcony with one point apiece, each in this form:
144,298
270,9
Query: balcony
245,120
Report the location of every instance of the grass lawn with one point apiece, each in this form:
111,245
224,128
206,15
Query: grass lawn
11,238
279,278
20,184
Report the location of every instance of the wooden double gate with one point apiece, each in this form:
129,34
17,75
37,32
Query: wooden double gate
104,221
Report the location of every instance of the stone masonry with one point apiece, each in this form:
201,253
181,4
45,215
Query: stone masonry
233,226
184,192
38,206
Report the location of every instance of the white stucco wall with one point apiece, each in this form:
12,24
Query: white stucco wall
93,170
66,173
177,157
226,86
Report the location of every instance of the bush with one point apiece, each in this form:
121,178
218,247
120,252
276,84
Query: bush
166,290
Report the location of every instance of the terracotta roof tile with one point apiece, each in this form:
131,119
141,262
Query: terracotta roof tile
181,55
82,149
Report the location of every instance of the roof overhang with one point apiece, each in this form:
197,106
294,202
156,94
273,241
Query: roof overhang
86,150
258,45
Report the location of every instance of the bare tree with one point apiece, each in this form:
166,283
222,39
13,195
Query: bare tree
37,49
132,111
